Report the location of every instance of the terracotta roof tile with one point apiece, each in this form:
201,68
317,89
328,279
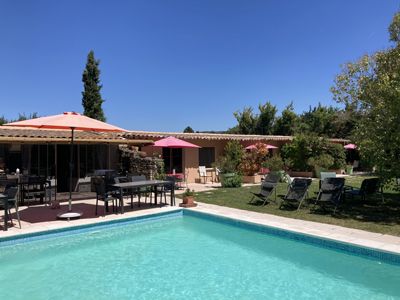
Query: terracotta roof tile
25,134
214,136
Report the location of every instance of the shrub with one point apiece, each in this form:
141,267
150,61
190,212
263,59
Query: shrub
232,181
233,153
250,164
324,161
274,163
298,153
338,154
252,160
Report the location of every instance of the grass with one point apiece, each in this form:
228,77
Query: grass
370,215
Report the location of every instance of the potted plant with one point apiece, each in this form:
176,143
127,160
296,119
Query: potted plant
188,199
251,163
250,168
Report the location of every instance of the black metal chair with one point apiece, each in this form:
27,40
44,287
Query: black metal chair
297,192
268,186
32,188
103,195
168,188
12,202
140,191
369,186
123,179
331,192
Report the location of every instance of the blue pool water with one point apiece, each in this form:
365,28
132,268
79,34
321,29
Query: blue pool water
188,258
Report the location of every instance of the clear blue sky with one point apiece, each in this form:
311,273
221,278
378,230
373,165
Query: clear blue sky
167,64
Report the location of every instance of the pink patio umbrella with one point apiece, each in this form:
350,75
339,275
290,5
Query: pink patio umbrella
172,142
254,146
350,146
73,121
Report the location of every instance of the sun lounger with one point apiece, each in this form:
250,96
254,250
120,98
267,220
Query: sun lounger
331,192
268,186
297,192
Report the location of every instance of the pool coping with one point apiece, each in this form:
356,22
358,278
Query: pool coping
318,241
84,225
355,237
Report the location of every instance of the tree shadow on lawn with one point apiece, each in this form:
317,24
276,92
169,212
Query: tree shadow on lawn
370,210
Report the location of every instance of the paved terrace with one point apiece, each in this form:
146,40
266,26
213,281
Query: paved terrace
40,217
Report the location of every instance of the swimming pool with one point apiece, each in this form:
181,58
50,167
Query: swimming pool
188,256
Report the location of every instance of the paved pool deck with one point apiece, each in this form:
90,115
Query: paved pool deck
42,218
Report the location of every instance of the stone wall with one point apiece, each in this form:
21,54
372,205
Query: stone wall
136,163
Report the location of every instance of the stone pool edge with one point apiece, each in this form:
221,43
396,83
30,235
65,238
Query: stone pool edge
87,227
347,246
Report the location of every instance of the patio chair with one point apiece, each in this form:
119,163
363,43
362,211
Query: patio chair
168,188
268,186
203,174
369,186
122,179
140,191
297,192
12,201
217,172
103,195
331,192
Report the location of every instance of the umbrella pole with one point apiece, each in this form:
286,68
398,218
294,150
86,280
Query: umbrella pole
71,166
170,160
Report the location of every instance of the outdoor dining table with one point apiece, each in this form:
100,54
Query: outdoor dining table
134,185
4,198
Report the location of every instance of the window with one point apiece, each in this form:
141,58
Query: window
206,156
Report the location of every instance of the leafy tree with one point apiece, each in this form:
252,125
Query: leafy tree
21,117
3,120
91,97
188,129
319,120
246,121
394,28
287,123
266,119
374,93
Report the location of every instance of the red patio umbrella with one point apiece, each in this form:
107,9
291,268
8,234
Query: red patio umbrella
172,142
68,120
254,146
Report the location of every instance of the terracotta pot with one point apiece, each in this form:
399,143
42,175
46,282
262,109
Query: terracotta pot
251,178
188,200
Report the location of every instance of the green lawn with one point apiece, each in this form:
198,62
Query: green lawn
370,215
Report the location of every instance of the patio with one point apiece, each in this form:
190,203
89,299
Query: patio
39,217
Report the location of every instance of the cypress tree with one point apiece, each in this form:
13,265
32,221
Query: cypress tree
91,97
